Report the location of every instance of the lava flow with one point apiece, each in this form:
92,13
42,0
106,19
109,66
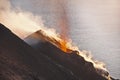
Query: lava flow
51,36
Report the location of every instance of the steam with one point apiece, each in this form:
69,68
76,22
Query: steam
64,22
20,22
64,26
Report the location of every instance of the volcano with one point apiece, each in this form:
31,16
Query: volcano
72,61
19,61
38,59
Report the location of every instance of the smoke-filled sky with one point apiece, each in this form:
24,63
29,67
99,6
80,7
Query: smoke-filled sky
87,13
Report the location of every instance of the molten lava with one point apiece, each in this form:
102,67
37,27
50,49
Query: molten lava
63,46
51,36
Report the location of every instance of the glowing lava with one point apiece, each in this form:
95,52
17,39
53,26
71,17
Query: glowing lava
51,36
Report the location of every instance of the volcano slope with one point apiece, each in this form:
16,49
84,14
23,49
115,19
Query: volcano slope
71,61
19,61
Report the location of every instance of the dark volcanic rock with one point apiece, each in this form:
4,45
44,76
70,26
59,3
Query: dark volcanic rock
19,61
76,64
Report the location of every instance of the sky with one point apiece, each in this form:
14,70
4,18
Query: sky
101,14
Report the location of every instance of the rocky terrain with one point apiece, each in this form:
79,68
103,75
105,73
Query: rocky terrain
40,60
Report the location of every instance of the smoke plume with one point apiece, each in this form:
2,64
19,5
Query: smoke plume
22,23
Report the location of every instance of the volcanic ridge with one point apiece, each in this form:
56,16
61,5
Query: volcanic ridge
38,59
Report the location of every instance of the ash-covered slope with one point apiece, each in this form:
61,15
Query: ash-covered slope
19,61
73,62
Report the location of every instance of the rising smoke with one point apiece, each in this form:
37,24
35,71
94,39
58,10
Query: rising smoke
22,23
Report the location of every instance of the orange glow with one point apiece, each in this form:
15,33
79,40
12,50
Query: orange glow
63,46
67,46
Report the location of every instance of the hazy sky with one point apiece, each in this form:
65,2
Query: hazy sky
99,14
